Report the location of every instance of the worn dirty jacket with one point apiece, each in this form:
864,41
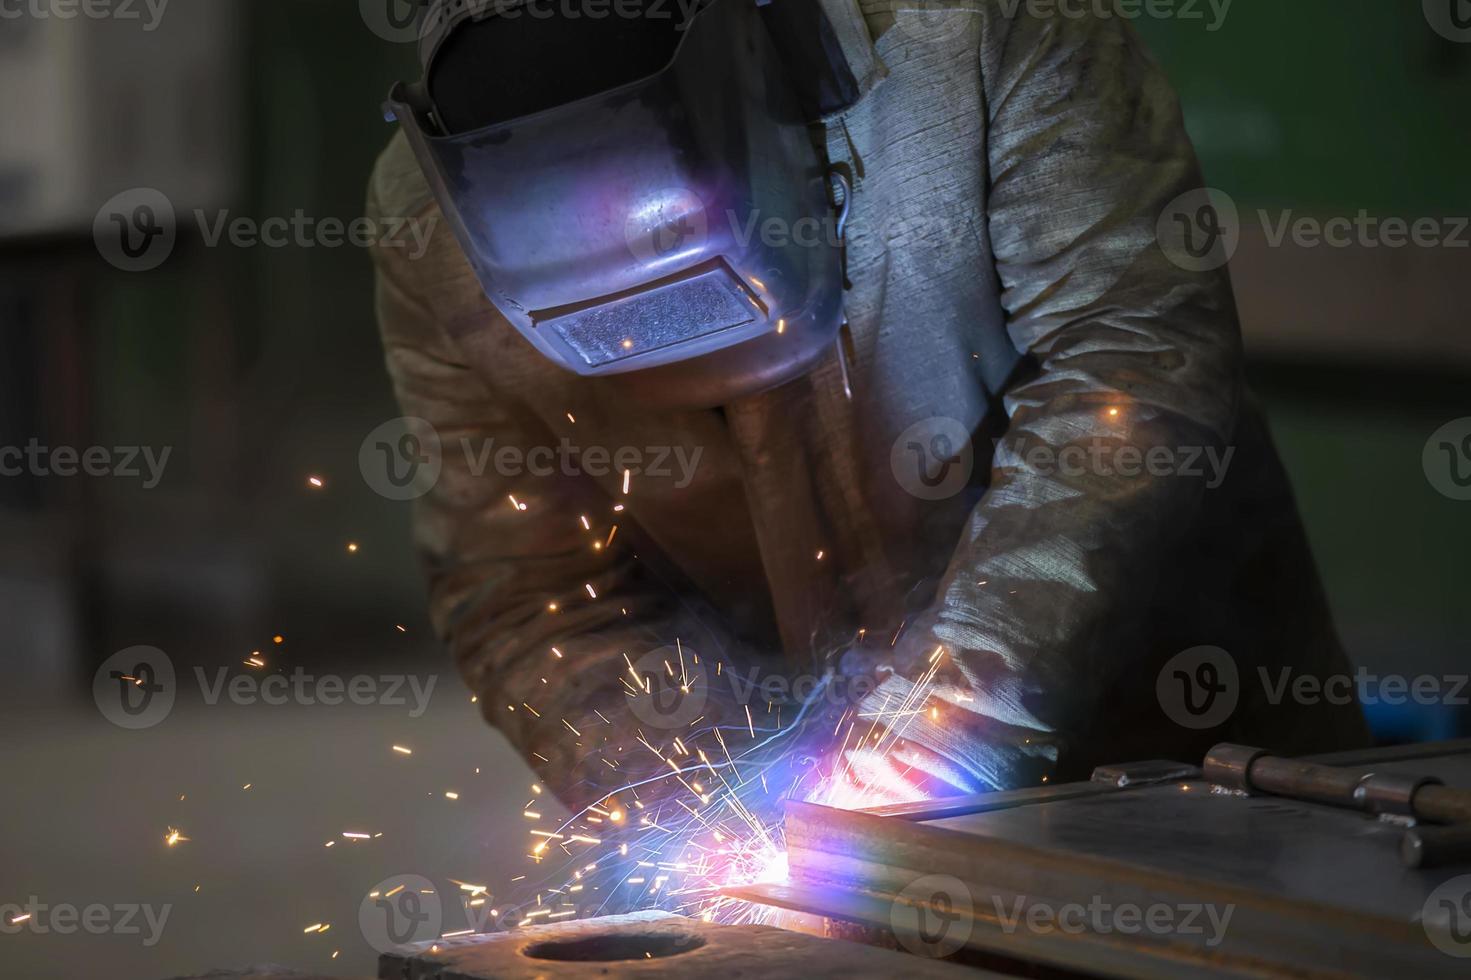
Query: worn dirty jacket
1009,172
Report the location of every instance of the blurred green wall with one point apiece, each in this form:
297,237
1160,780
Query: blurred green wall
1333,106
1325,103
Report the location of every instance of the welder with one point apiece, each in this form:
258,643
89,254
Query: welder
900,277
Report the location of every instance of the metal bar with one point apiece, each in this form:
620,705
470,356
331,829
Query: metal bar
835,852
1106,779
1317,892
1250,769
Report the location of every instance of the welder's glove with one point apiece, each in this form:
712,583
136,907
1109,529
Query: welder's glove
908,741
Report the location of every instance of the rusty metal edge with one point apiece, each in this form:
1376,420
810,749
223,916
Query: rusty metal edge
837,851
960,806
1006,799
1093,955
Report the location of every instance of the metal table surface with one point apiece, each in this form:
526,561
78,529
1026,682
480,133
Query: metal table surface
1311,890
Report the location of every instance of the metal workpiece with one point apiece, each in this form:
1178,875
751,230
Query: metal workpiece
1252,770
1391,793
1230,766
649,944
1242,885
1144,773
1436,847
1406,795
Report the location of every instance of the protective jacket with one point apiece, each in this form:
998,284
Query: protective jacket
1112,500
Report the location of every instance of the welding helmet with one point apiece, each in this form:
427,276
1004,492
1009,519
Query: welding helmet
639,193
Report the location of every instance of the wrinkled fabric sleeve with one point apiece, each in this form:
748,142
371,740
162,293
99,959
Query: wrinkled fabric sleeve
537,620
1086,150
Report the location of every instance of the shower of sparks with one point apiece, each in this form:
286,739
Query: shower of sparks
709,820
705,817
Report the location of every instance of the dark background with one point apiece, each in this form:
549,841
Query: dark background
261,367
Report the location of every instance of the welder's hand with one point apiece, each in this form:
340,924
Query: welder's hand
908,740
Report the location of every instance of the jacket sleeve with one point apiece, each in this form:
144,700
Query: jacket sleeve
1087,150
537,612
